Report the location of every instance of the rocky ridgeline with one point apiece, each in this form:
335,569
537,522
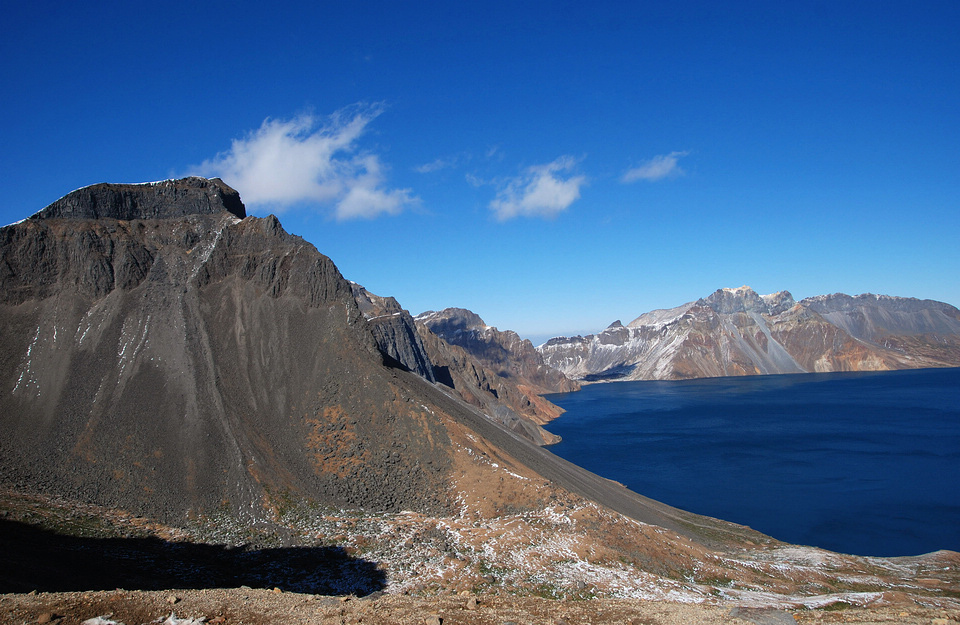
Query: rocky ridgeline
502,351
169,199
395,332
412,345
738,332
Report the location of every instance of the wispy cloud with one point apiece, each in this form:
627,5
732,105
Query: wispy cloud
656,168
444,162
541,191
311,160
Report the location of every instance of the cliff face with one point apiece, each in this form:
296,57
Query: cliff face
412,346
168,199
738,332
395,332
503,401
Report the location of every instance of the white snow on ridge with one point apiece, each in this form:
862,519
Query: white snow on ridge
660,317
426,316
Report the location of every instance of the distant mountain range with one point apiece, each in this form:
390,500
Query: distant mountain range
738,332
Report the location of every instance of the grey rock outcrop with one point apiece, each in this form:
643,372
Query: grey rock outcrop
498,398
502,351
395,332
415,348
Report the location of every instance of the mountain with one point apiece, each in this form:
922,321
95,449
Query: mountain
501,350
165,354
174,373
413,346
738,332
512,359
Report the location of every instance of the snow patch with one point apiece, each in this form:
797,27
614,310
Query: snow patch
27,370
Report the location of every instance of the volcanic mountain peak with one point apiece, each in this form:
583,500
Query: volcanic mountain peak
723,301
501,350
744,299
168,199
451,321
778,302
841,302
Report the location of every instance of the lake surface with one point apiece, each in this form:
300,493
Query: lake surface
860,463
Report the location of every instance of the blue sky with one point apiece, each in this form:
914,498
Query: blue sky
551,166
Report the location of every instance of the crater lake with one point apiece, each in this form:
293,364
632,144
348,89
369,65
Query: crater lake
859,463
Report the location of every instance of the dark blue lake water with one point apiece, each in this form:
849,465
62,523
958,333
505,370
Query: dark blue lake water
860,463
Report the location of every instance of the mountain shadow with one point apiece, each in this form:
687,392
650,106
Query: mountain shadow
37,559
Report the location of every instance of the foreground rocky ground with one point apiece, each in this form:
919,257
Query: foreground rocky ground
260,606
74,565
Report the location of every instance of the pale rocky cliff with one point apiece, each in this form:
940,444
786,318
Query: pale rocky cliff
738,332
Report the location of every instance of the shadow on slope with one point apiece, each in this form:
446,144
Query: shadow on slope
36,559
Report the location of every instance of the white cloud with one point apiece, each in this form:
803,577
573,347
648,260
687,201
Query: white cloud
656,168
306,160
448,162
542,191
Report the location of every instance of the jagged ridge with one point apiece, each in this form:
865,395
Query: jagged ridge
411,345
738,332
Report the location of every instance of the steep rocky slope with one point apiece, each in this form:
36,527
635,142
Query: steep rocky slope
414,347
192,361
738,332
395,332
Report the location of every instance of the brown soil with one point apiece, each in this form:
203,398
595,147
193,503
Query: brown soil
252,606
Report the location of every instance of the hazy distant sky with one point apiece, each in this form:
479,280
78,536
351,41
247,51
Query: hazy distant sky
550,166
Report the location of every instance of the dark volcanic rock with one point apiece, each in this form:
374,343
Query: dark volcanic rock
415,348
500,399
502,351
495,369
169,199
395,332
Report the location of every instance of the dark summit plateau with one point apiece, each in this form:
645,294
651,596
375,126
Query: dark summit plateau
169,199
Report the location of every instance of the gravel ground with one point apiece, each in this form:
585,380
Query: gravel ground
253,606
